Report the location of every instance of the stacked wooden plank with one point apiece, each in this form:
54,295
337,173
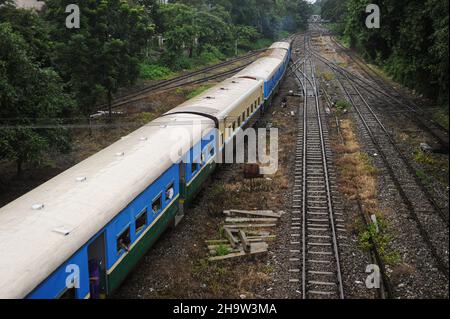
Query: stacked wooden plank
245,233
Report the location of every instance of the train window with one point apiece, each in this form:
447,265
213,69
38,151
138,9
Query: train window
141,221
259,101
239,121
221,138
234,126
211,151
193,168
123,241
248,111
243,116
170,192
157,205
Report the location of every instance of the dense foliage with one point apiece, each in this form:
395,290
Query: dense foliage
32,103
411,44
49,72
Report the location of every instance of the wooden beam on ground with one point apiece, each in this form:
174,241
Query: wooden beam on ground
249,226
253,251
264,213
233,241
249,220
244,241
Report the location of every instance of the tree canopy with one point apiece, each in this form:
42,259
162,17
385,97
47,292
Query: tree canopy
51,75
32,103
412,43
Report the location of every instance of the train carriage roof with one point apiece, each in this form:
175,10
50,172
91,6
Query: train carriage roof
277,54
32,246
262,69
221,99
280,45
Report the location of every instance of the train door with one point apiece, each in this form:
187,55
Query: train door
183,189
97,268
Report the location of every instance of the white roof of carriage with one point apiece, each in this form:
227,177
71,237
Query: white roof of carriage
220,100
280,45
30,247
262,69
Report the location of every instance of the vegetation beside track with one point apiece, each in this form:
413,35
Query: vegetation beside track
358,181
411,45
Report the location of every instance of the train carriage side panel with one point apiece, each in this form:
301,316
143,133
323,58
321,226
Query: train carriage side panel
157,209
262,69
55,285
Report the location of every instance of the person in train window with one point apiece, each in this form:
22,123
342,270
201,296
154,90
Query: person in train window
169,193
155,208
94,278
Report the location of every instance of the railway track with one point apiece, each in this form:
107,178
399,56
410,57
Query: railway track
315,227
431,221
395,100
183,80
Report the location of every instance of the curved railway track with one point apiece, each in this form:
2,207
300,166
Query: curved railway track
431,221
316,225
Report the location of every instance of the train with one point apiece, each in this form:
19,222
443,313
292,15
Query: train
80,234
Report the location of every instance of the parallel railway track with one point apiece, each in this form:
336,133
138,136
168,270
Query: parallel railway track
183,80
397,100
315,227
431,221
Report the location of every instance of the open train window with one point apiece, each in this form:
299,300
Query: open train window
259,101
239,121
157,205
248,111
243,116
141,221
170,192
234,126
123,241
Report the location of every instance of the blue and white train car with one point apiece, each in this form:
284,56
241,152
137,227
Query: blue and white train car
270,68
97,219
79,234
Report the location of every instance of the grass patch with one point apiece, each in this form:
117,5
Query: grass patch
424,158
222,250
441,117
357,180
342,105
328,76
372,237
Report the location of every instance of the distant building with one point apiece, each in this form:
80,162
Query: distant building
29,4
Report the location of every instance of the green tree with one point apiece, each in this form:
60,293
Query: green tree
32,104
31,27
103,55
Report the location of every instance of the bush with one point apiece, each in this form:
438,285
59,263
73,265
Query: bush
342,105
153,71
210,54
